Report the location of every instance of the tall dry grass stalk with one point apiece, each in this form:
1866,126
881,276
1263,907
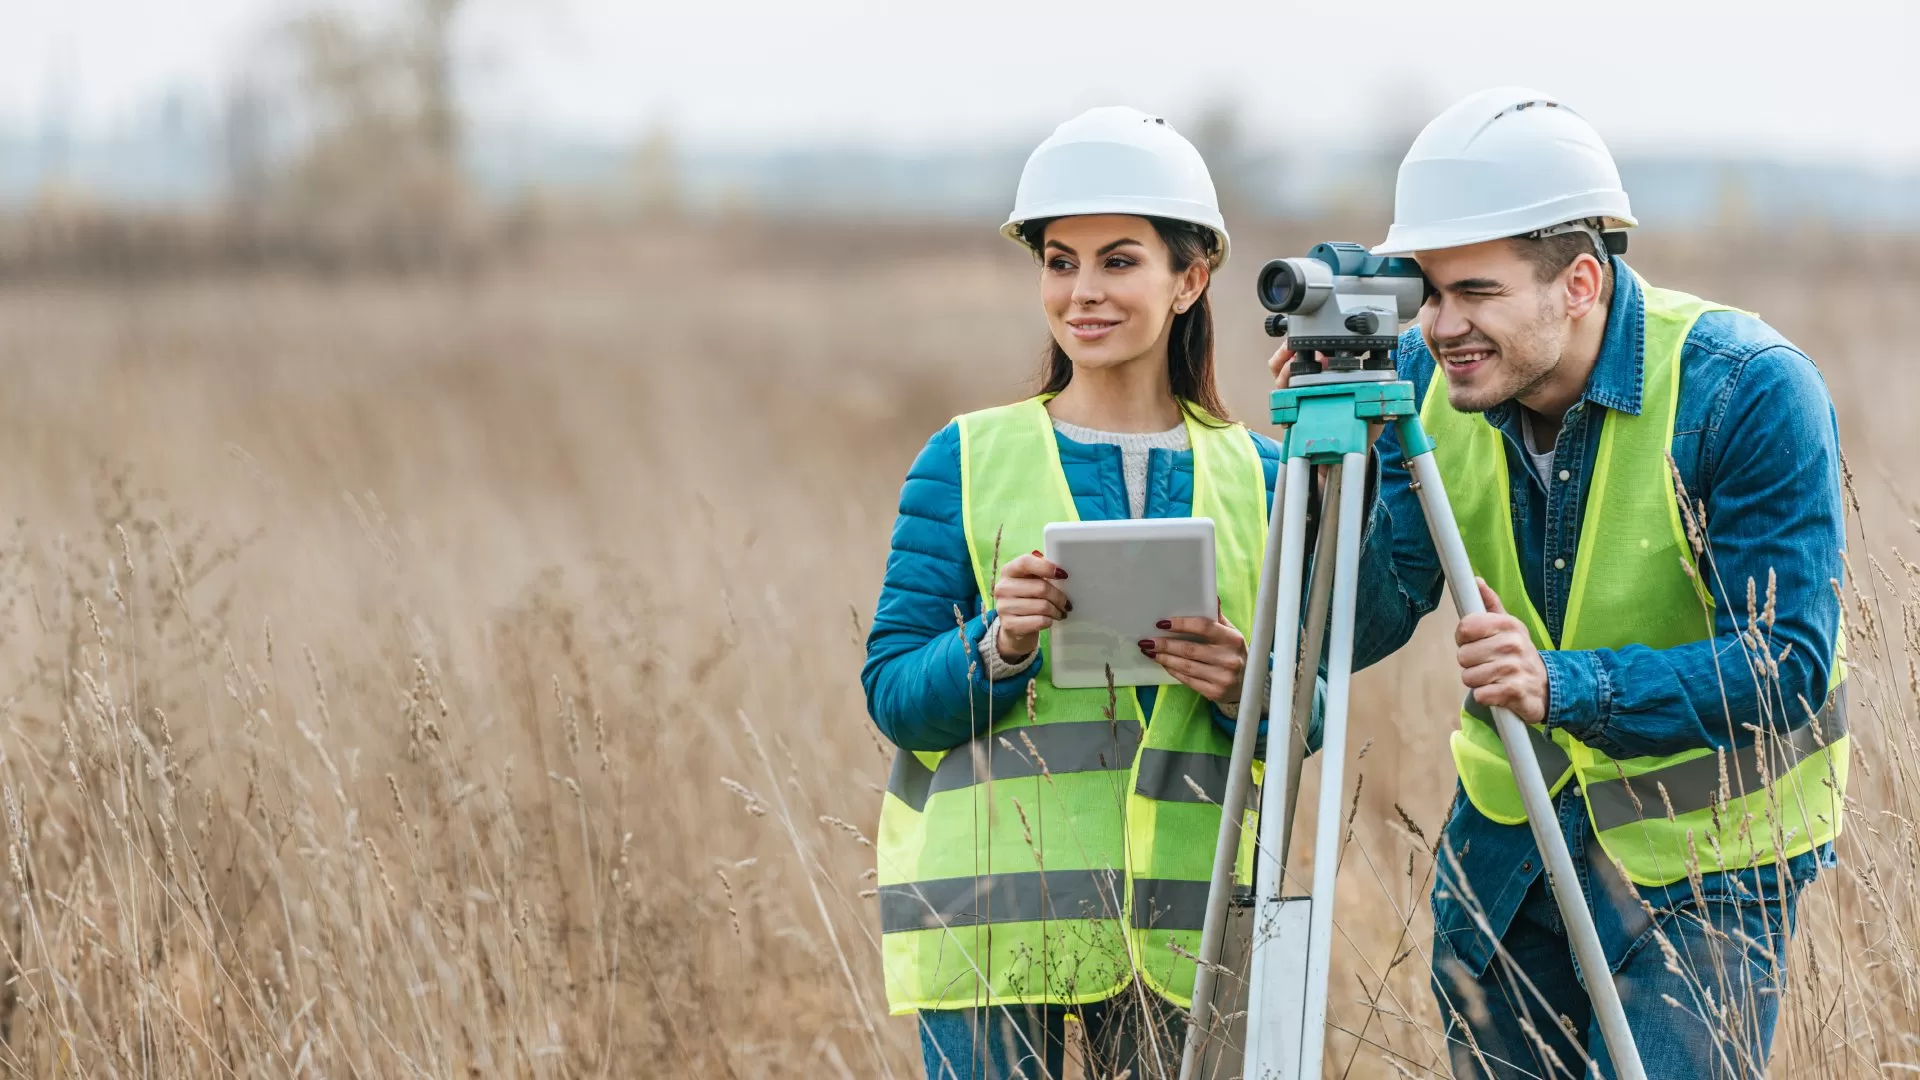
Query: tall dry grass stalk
424,679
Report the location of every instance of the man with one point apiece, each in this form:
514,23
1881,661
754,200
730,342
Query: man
1676,650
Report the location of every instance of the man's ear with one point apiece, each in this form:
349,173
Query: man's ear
1584,284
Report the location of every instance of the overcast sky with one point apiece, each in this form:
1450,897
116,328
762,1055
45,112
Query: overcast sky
1838,79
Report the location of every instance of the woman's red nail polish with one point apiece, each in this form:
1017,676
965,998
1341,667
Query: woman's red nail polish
1037,555
1059,573
1165,624
1146,645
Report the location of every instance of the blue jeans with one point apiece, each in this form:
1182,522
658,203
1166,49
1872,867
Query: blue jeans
1713,1018
1029,1042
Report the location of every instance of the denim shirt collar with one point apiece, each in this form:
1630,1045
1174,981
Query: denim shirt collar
1618,373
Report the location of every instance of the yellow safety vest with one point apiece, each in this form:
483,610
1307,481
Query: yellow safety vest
1635,583
1055,857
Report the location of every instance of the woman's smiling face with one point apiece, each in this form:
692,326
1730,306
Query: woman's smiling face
1110,290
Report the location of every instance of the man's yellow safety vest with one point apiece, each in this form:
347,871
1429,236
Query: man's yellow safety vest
1635,583
1063,852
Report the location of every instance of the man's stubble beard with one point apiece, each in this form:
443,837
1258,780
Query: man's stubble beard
1536,341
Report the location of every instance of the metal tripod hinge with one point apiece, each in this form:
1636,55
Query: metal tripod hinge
1288,959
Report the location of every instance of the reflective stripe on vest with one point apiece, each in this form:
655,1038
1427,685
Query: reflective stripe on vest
1068,851
1036,896
1555,764
1166,775
1696,783
1634,582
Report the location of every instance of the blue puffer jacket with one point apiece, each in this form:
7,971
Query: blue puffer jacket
927,630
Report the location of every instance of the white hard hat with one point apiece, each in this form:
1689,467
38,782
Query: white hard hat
1503,162
1117,160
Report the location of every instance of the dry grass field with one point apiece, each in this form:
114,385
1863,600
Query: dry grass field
420,677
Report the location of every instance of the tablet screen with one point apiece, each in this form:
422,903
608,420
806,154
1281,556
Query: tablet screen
1124,577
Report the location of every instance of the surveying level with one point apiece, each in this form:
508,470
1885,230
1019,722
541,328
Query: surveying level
1346,306
1342,303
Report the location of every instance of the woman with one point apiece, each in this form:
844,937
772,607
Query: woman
1045,853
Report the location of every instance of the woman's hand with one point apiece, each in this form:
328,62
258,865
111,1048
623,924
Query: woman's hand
1027,602
1212,666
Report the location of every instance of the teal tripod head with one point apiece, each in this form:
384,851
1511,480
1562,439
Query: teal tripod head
1340,303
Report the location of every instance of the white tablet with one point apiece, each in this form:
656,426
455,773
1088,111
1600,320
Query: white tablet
1124,577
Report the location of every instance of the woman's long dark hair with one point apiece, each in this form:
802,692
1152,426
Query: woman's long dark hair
1189,345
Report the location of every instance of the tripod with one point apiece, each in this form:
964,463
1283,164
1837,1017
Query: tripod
1325,415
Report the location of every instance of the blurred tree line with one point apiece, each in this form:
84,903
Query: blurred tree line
341,142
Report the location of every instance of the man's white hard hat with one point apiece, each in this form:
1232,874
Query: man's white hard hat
1118,160
1509,161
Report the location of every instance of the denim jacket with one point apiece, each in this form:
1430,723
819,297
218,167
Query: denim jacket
1757,445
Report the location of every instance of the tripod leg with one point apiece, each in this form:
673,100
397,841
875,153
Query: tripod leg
1273,1015
1233,802
1268,871
1281,923
1280,794
1561,877
1333,758
1319,593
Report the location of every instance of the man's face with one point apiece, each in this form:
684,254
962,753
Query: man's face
1496,330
